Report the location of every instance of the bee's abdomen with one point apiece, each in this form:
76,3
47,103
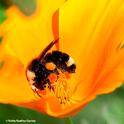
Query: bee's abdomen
62,60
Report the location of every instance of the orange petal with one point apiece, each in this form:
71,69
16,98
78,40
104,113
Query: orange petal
52,107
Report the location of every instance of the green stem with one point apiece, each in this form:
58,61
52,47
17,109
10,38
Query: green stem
68,121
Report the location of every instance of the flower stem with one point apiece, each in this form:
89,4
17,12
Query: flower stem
68,121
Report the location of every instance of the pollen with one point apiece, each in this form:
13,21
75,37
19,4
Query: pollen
61,89
52,77
50,66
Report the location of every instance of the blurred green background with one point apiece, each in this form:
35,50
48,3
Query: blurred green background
106,109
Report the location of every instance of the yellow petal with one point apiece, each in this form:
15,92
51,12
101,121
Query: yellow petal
13,84
91,31
28,36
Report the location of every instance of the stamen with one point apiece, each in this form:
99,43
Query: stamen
61,89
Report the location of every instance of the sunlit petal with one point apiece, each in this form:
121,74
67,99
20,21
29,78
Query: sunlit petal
13,84
28,36
89,33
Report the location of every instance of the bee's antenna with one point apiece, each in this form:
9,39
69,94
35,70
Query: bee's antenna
48,48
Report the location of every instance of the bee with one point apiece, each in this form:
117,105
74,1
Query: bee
44,70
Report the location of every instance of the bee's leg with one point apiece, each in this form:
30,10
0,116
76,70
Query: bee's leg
38,94
35,90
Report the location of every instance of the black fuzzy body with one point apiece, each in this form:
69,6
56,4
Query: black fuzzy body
37,66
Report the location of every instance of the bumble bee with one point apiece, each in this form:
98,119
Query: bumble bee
44,70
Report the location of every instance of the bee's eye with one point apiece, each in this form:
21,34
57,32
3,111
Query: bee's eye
50,66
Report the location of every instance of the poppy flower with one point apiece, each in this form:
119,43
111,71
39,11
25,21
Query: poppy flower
91,32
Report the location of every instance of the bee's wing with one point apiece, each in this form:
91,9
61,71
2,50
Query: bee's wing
48,48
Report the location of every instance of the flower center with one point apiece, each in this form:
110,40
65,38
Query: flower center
61,88
50,74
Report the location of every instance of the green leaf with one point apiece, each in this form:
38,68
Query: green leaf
5,3
106,109
68,120
2,13
11,112
26,6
